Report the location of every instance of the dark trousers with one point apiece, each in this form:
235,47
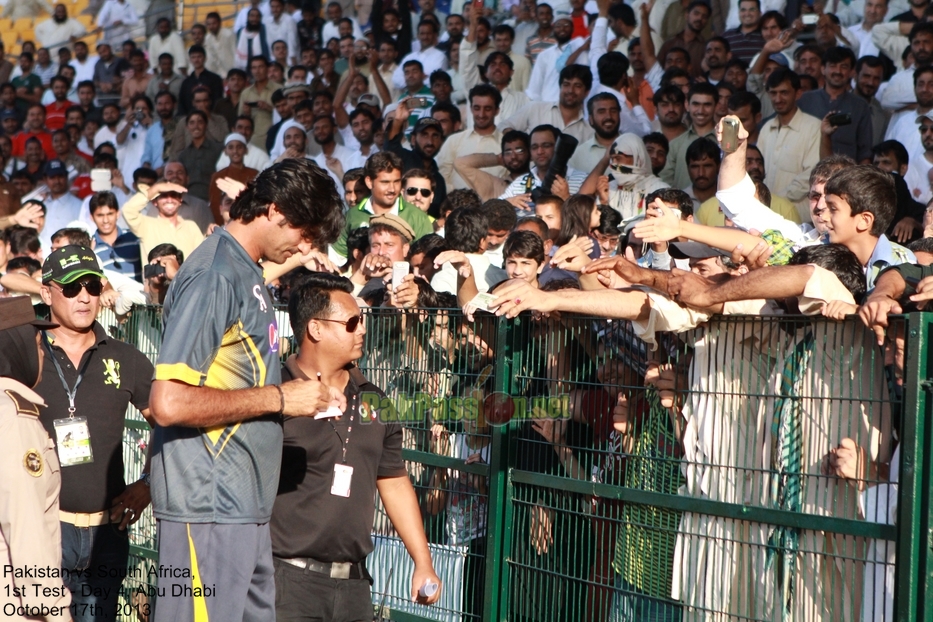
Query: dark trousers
95,558
303,596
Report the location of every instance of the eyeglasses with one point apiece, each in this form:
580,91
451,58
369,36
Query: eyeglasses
519,151
351,324
425,192
70,290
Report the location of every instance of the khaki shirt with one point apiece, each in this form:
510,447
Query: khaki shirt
262,119
31,536
152,231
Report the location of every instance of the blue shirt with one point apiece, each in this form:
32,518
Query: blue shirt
155,145
122,256
886,253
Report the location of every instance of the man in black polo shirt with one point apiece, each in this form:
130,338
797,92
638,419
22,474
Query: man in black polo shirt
332,468
217,449
104,376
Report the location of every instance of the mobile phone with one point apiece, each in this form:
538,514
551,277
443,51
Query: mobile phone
400,270
809,19
840,118
151,271
730,135
252,104
101,180
418,102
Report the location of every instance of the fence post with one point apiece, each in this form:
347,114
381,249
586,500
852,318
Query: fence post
498,521
913,588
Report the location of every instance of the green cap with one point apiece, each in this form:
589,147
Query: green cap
70,263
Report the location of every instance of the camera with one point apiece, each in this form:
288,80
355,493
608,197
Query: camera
153,270
140,115
563,150
839,119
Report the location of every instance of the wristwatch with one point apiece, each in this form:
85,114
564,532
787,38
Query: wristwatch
145,479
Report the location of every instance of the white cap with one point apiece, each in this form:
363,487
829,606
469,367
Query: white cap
234,136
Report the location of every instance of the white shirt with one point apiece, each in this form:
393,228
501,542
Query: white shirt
84,71
114,11
342,155
221,51
919,172
358,158
431,60
50,32
520,186
285,29
485,274
900,91
464,143
332,31
172,44
512,102
59,213
240,22
540,113
866,46
544,85
904,128
255,158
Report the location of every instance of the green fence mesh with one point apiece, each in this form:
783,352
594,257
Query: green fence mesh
556,485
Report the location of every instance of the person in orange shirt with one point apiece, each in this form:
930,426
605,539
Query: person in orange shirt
55,112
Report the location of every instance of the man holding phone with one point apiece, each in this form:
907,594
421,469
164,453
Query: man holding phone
851,118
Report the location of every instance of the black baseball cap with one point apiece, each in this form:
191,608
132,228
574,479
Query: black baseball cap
695,250
70,263
426,122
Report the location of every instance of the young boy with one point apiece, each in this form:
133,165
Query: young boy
524,256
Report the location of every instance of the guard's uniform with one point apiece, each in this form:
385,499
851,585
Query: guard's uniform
213,488
320,539
29,484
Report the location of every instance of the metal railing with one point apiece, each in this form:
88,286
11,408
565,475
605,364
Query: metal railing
712,500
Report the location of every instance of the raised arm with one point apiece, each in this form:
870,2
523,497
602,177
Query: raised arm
486,186
518,296
340,97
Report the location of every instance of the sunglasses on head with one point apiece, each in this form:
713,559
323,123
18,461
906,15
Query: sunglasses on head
70,290
351,324
425,192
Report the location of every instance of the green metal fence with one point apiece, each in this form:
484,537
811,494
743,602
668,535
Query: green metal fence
710,497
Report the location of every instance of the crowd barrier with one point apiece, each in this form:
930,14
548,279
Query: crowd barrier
714,499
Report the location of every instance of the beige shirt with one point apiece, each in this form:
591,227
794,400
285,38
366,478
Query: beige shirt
221,50
512,102
521,72
465,143
547,113
790,152
262,119
587,156
31,534
152,231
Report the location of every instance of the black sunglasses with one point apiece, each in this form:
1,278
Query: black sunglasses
350,324
70,290
413,191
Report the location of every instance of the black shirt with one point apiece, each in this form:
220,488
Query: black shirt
117,375
307,520
186,93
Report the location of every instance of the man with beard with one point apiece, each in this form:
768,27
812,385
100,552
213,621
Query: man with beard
426,140
612,69
899,93
854,139
383,176
482,138
363,125
701,105
869,72
333,157
252,41
59,28
515,157
159,136
603,109
718,53
670,103
918,170
295,141
164,41
566,114
544,84
83,63
199,77
543,140
691,37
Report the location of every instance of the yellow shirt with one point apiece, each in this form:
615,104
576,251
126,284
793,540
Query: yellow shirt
152,231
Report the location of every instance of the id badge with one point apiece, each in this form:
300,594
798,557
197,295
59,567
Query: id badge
74,441
342,476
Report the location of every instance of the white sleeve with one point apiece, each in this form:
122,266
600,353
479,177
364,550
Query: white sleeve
742,208
536,82
598,43
900,91
468,64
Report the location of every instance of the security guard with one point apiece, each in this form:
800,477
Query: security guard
88,382
30,480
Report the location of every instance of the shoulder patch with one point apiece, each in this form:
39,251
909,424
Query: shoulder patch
23,406
32,462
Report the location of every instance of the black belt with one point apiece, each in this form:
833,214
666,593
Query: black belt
334,570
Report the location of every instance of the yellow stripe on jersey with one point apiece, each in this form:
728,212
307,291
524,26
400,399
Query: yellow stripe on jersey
200,605
178,371
238,364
